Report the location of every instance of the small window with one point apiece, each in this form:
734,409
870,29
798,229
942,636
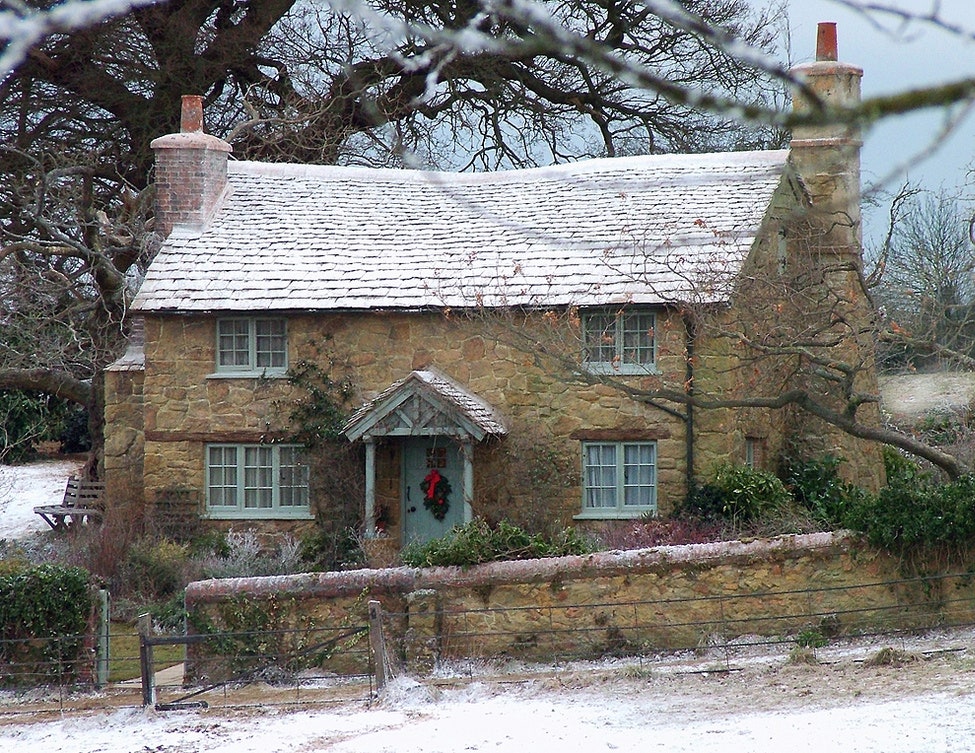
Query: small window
255,346
754,451
256,481
619,479
619,342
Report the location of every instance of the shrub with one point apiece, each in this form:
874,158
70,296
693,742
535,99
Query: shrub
44,613
242,554
74,436
157,569
913,513
748,493
477,542
643,534
816,485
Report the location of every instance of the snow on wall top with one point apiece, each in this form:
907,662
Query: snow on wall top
652,229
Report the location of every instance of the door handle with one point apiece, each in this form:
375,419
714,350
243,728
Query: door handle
412,509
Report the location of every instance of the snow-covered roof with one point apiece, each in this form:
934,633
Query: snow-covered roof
650,229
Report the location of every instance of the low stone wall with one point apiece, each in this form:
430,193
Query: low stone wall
661,598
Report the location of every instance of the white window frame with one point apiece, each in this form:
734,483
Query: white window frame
250,338
251,481
619,481
611,355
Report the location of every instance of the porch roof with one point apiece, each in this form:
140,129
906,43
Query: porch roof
425,403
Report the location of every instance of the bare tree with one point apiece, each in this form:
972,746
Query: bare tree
925,281
461,85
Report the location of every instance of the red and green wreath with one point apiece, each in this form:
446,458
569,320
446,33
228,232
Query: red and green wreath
435,490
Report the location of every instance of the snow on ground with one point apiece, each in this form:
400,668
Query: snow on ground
724,700
23,487
767,709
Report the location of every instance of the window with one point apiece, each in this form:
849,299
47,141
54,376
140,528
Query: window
619,342
256,481
754,451
257,346
619,479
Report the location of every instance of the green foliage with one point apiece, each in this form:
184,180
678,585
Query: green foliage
253,636
74,436
811,638
25,419
44,614
157,569
703,502
330,548
816,485
748,493
914,513
478,542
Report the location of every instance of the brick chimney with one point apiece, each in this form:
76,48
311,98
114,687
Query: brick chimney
191,171
827,156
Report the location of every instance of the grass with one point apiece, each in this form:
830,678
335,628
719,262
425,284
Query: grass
124,653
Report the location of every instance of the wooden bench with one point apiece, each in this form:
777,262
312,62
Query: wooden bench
82,500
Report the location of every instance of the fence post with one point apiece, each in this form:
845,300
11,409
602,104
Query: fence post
145,661
377,642
102,648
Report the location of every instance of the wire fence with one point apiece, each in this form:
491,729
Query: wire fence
338,664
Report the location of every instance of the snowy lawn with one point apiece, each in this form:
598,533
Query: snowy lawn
23,487
694,706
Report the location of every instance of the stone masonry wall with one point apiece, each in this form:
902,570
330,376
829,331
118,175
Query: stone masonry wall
663,598
187,405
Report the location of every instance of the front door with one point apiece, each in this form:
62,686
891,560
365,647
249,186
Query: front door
433,488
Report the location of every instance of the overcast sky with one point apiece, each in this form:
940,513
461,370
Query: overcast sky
893,59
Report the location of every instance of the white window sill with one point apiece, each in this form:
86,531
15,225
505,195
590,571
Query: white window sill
258,515
620,369
263,374
613,514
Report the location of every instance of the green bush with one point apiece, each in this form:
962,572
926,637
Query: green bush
816,485
44,613
25,419
748,493
478,542
915,513
157,569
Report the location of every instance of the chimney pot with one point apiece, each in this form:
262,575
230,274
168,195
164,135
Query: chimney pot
826,48
191,114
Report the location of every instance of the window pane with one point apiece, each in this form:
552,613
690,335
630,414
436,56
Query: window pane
233,336
293,478
600,475
638,338
258,477
222,463
271,343
600,338
639,474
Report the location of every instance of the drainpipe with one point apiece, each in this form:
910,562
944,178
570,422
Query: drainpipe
690,334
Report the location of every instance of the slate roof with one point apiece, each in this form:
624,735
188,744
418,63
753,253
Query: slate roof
651,229
466,407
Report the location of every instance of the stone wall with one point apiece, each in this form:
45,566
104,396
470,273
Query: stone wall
662,598
187,405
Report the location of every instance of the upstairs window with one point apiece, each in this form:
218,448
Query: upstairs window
256,481
619,479
252,346
619,342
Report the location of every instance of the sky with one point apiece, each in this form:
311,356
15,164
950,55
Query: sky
896,57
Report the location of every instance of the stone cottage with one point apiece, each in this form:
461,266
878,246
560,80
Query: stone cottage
548,346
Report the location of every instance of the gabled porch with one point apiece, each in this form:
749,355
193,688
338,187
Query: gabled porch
434,423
